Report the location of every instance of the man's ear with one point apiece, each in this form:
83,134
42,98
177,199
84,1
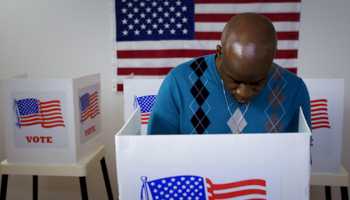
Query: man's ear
218,50
276,52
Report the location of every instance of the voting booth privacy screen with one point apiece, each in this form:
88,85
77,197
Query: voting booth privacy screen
51,121
214,166
327,116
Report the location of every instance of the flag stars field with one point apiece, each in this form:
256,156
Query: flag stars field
144,15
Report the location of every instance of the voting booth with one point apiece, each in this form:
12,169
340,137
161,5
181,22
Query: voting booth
51,121
327,116
214,166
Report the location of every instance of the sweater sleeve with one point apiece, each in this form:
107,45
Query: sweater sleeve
165,114
302,100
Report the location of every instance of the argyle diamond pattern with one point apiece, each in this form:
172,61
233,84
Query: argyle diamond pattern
276,98
200,121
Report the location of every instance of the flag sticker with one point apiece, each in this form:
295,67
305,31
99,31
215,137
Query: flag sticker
146,104
200,188
89,106
319,114
31,112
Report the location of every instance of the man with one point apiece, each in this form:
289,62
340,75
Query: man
237,90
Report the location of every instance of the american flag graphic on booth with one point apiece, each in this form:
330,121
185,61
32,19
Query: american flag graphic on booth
154,36
89,106
199,188
32,112
146,104
319,114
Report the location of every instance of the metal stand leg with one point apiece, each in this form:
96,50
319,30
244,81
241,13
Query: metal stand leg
3,187
83,188
328,193
35,187
344,193
105,176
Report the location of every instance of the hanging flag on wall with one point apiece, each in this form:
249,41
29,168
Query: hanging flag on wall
152,37
32,112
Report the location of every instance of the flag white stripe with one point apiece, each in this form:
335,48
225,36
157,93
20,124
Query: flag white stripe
218,27
198,44
172,62
249,7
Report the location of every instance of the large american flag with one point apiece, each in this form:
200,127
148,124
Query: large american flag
153,36
200,188
32,112
89,106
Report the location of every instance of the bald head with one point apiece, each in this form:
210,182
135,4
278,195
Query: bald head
249,45
249,35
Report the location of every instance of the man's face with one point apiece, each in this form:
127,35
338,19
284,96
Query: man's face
244,78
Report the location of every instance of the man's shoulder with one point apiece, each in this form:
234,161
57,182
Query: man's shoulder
278,72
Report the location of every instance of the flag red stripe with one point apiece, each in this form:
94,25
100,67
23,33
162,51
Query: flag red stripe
147,114
319,100
286,35
144,122
319,109
186,53
144,71
317,127
319,118
316,114
237,194
168,53
238,184
49,102
246,1
274,17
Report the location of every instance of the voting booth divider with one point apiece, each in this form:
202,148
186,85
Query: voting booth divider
214,166
51,121
327,116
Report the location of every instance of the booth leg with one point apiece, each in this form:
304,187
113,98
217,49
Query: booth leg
3,187
83,188
35,187
106,178
344,193
328,193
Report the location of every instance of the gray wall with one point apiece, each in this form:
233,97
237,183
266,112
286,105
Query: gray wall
69,39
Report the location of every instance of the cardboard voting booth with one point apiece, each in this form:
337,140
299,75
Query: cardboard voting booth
143,93
327,112
214,166
51,121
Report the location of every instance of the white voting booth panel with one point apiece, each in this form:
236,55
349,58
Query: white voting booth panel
327,112
51,121
214,166
143,93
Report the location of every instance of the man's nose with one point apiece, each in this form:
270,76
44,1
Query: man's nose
244,91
